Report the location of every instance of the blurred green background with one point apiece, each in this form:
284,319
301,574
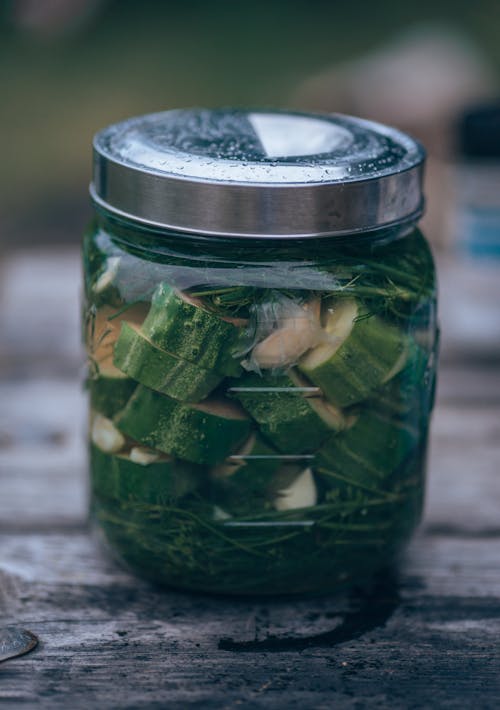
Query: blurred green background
70,67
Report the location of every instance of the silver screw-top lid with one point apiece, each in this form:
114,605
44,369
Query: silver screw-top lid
258,173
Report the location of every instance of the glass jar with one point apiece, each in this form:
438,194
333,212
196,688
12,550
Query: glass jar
260,319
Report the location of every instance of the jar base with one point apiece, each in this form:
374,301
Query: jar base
313,575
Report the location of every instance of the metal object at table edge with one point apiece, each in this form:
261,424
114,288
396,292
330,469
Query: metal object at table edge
15,641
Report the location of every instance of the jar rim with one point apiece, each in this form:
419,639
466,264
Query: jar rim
170,230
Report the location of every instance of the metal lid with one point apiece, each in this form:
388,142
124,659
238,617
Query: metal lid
258,173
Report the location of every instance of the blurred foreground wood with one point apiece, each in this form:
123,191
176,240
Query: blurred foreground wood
428,639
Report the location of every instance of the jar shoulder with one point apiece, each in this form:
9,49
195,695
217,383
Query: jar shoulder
408,249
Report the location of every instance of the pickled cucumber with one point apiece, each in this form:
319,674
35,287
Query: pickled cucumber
292,419
367,453
183,327
361,352
119,476
206,432
409,395
110,391
300,467
158,369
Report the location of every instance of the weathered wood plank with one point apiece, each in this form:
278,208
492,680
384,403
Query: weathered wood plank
463,481
39,307
116,642
41,420
475,382
42,453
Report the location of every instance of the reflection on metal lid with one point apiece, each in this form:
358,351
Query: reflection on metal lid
216,172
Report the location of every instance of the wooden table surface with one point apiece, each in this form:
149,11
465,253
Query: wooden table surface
427,638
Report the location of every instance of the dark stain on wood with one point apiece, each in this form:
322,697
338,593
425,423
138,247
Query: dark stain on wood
372,609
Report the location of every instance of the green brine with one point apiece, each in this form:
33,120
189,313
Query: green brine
260,322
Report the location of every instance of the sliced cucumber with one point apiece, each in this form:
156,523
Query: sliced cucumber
290,418
181,326
121,476
366,453
363,353
408,391
110,391
158,369
206,432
